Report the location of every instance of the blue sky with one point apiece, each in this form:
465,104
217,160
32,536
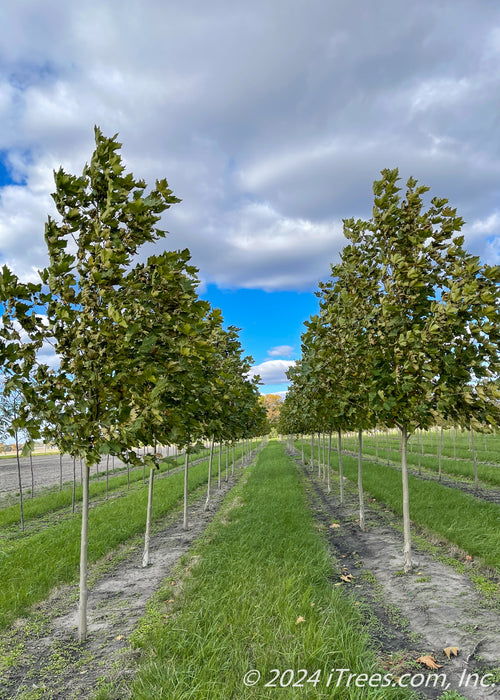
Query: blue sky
270,120
271,324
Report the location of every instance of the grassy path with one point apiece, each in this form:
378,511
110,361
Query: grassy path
259,596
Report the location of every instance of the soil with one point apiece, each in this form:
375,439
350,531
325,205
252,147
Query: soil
46,659
411,615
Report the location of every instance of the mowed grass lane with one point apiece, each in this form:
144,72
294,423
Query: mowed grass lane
260,596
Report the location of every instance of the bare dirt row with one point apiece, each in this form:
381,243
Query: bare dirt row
417,614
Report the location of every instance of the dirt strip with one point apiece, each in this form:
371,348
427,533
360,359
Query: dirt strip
412,615
41,656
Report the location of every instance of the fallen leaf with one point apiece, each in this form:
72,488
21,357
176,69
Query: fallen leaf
419,573
334,525
468,557
120,636
171,600
451,650
312,605
348,578
300,619
429,661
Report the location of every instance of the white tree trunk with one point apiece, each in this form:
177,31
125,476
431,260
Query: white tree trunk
82,611
474,458
209,473
360,481
20,482
186,467
219,473
145,556
341,470
32,476
407,563
73,497
329,478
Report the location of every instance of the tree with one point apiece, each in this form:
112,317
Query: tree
86,404
272,403
433,327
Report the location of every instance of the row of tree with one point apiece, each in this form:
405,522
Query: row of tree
407,334
139,358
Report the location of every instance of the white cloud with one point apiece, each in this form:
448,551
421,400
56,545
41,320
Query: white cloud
269,148
283,350
272,371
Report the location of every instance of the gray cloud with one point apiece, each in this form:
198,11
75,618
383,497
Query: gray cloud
269,120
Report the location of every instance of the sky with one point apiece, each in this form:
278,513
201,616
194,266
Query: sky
270,120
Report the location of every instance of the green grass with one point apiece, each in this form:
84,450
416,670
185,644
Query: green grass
260,567
463,468
32,566
471,524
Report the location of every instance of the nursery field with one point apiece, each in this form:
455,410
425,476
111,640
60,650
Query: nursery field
454,450
280,594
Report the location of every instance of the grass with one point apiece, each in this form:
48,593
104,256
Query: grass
258,595
463,467
32,566
471,524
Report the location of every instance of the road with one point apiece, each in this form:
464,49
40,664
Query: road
46,472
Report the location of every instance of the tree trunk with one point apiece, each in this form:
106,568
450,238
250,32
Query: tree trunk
376,445
32,476
474,459
82,611
60,472
312,451
420,451
219,474
20,482
341,471
329,478
186,467
227,463
360,481
209,483
73,497
324,458
407,563
234,460
319,456
302,448
145,556
107,477
439,444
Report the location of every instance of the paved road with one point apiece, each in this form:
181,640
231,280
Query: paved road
46,472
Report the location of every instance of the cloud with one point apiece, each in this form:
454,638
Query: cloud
272,371
270,121
283,350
